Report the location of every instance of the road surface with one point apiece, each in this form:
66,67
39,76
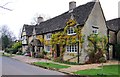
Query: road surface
13,67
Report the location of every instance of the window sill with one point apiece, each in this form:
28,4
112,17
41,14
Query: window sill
47,39
72,34
71,52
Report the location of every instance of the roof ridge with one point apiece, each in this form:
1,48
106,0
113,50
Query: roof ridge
68,11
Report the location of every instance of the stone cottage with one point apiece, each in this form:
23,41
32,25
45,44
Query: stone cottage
89,16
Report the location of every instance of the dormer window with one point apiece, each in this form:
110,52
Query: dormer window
95,30
71,31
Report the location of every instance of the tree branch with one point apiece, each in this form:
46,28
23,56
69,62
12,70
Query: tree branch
5,8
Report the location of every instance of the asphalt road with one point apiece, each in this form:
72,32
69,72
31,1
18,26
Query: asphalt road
13,67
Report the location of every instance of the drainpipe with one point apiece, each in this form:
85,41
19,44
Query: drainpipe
78,53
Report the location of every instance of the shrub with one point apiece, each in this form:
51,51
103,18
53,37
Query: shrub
39,55
19,53
7,50
14,49
102,60
58,59
44,52
10,50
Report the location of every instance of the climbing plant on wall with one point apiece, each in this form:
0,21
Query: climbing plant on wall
63,39
45,42
97,47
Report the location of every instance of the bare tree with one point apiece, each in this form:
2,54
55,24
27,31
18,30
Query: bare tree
35,18
19,35
3,6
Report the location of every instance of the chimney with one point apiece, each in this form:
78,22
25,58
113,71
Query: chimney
72,5
40,19
95,0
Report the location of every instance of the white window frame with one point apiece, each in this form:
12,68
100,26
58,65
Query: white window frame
95,30
71,31
72,48
48,36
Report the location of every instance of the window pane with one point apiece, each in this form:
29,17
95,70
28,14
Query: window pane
72,48
70,30
95,30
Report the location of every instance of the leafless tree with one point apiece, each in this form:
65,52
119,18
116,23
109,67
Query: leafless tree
3,6
34,19
6,31
19,35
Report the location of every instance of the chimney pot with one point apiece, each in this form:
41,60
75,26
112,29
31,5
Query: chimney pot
72,5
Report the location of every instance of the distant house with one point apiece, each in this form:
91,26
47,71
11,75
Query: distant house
26,34
114,37
89,16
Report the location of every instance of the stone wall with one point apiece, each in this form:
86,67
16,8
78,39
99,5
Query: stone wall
96,19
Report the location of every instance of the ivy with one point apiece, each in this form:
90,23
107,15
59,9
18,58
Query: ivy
63,39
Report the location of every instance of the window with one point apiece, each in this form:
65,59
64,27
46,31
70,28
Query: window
72,48
48,48
95,30
48,36
71,31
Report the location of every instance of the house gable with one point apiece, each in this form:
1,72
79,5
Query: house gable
95,19
28,29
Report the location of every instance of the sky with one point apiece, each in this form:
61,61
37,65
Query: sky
23,11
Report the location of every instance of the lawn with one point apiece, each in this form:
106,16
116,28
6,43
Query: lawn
109,70
50,65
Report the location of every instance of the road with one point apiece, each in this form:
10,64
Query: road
14,67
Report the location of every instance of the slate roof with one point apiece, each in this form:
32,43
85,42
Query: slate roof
114,24
57,23
28,29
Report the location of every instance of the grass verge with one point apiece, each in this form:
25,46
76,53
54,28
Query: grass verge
107,71
50,65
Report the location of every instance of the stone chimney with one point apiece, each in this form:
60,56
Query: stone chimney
40,19
72,5
95,0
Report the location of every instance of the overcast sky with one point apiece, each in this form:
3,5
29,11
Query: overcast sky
24,10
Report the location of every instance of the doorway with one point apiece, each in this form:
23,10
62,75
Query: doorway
58,50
